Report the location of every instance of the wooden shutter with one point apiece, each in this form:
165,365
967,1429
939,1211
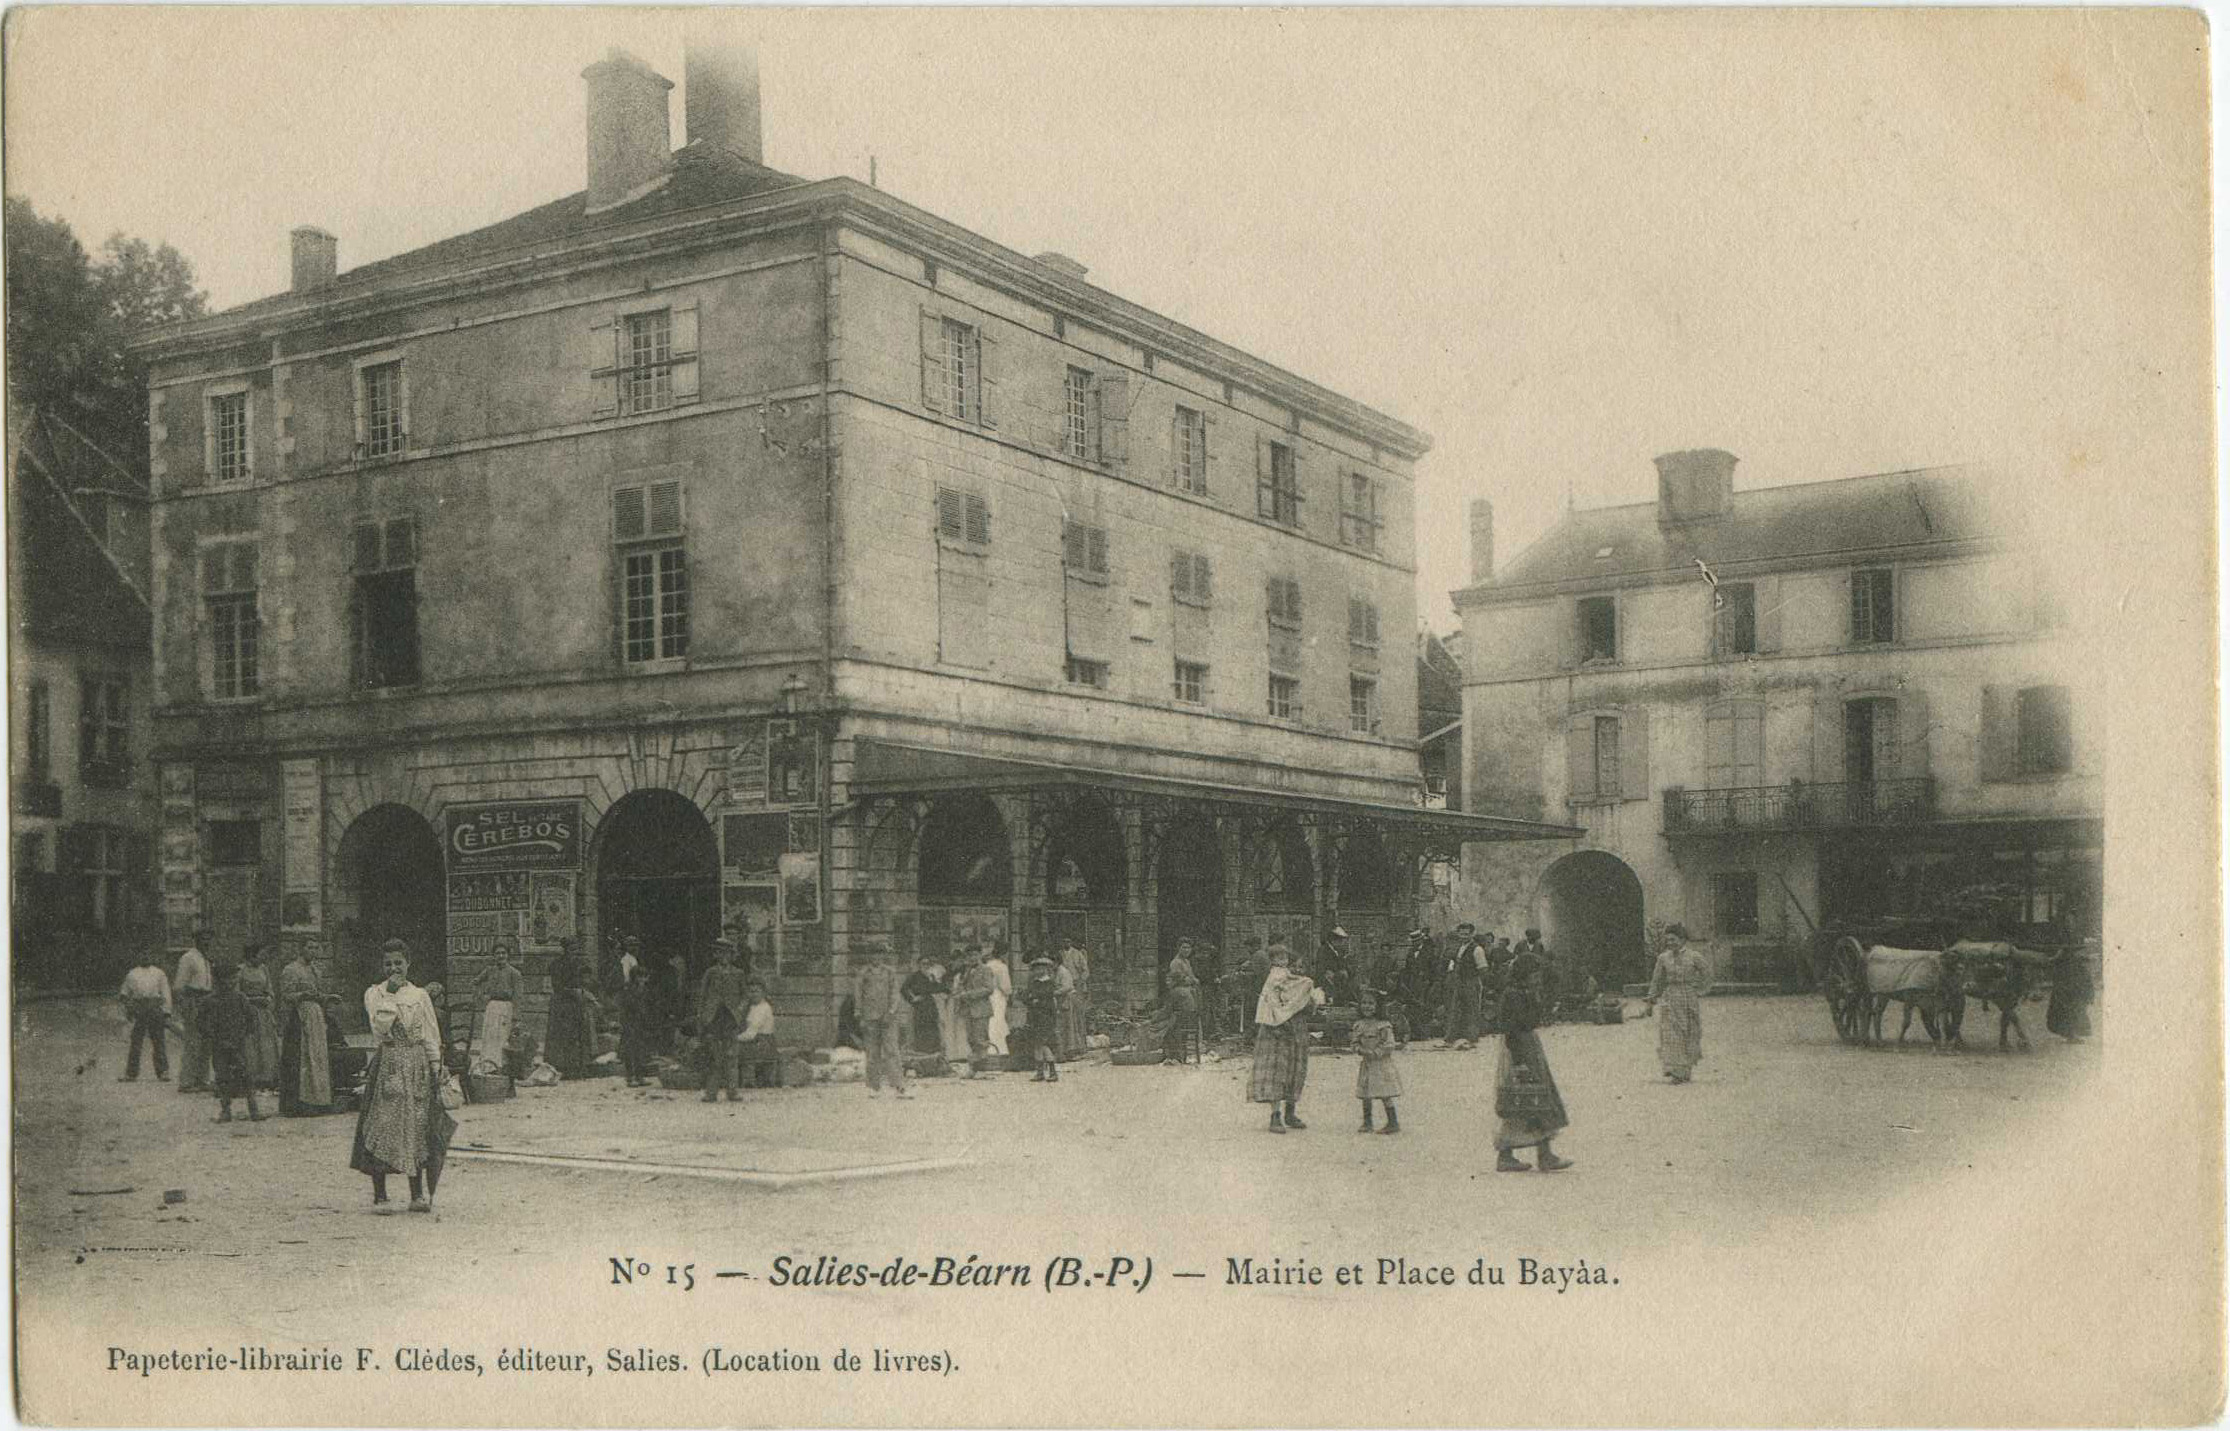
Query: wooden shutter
1633,753
1766,608
1568,633
1208,426
1265,500
402,543
1095,550
1203,587
1180,574
952,514
356,384
684,349
1579,757
630,515
1997,738
665,509
1913,732
603,369
979,520
1173,474
1827,738
1299,485
1072,545
985,399
403,429
932,361
1114,405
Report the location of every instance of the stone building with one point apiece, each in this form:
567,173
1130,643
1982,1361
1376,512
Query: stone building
1839,705
714,549
82,816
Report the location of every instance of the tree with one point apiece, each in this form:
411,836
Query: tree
70,315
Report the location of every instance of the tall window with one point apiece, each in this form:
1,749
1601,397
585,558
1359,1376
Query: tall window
1191,683
646,382
1870,740
103,732
383,605
1873,608
1362,705
228,585
228,437
1362,623
647,525
39,734
1076,405
1734,901
1189,449
1735,618
1285,698
1277,491
1734,745
381,393
1598,617
103,851
1283,596
2044,734
1359,521
1606,755
952,368
1190,579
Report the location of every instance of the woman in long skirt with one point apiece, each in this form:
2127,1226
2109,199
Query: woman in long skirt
305,1061
263,1027
1281,1040
2069,1013
1676,988
1526,1099
403,1128
1076,965
568,1045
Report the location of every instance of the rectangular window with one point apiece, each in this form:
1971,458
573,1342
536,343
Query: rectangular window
1873,611
235,842
1277,493
1086,673
1734,606
1734,901
656,617
963,518
1189,448
1734,745
646,380
1191,683
952,368
1598,628
2044,738
39,737
1362,705
103,873
1285,698
1283,595
1362,623
382,395
1076,403
1084,550
383,606
103,732
228,437
228,584
1606,756
1359,521
1190,580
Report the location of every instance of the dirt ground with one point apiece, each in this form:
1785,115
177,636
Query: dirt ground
1784,1133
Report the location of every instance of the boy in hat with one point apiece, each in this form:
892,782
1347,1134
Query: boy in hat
226,1021
720,1010
1042,997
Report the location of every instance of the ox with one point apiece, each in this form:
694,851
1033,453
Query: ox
1993,974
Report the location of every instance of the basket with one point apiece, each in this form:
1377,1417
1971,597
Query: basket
488,1087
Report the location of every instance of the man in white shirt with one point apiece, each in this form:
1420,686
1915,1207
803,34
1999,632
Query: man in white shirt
146,996
194,985
756,1051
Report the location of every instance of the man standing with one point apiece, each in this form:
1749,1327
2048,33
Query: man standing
720,1010
146,996
973,994
1467,973
194,984
881,1009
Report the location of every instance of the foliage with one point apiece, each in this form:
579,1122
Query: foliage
71,313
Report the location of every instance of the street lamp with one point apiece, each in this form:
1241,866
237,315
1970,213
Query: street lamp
793,690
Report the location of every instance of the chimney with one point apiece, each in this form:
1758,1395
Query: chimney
720,97
1482,541
630,146
317,258
1694,486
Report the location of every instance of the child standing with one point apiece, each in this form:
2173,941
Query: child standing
226,1023
1373,1038
1042,997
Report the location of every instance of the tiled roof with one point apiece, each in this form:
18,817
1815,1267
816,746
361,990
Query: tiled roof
702,175
1889,509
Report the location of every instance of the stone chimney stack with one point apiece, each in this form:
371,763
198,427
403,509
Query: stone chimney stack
1482,541
720,97
317,258
630,143
1694,486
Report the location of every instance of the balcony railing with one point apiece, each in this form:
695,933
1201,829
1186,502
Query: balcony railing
1800,806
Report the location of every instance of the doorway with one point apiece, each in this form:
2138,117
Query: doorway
390,870
658,879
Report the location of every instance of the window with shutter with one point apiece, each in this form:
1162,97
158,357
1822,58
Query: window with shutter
952,514
228,577
1078,423
1084,549
1607,751
665,509
383,605
649,523
2044,740
1362,705
630,517
1362,622
979,520
1734,607
382,407
1189,579
1277,494
1188,445
1283,597
1359,520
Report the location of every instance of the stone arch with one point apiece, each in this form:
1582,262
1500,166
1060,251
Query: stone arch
1588,906
963,854
1084,859
388,883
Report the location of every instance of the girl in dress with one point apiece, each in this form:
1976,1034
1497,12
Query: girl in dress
1373,1038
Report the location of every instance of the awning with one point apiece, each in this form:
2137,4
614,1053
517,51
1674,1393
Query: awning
884,769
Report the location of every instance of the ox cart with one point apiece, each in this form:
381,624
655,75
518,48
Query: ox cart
1861,981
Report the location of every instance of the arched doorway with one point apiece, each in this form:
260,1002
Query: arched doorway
1188,889
657,878
389,877
1589,907
1366,875
965,879
1284,872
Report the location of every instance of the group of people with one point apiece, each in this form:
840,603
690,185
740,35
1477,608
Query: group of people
963,1011
241,1032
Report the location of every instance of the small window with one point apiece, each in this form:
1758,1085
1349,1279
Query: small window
39,734
1084,550
1081,672
1362,623
963,517
1873,609
1734,607
1076,404
1606,756
103,732
228,437
1598,628
1359,521
1189,578
228,584
1190,685
1283,594
1734,901
2044,740
380,391
1189,451
1277,494
1285,698
1362,705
